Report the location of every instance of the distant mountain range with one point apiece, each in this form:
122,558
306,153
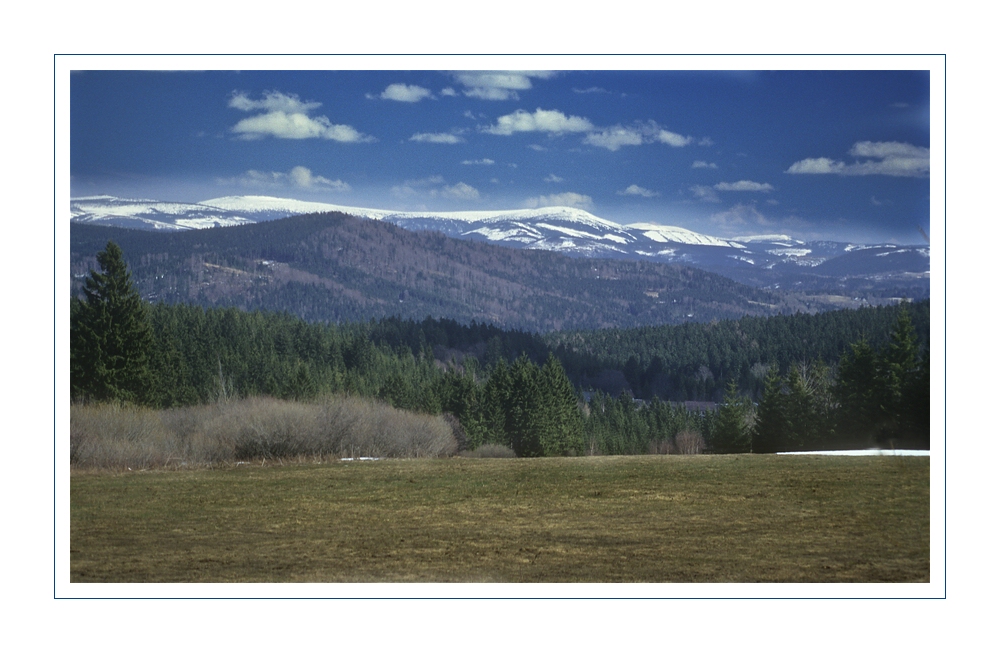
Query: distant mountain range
340,268
856,273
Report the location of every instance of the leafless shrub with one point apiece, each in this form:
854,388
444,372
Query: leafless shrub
351,426
688,443
260,428
457,430
119,437
662,447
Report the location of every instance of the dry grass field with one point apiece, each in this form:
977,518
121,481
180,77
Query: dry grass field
737,518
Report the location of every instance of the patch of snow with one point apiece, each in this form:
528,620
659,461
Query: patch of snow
790,252
776,239
854,248
668,234
859,452
211,221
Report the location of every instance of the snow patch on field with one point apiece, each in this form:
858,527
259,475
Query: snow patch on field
859,452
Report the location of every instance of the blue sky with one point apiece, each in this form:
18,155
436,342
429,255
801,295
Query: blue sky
815,154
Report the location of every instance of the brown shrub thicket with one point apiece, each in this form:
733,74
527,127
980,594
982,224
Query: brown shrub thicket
689,443
107,436
685,443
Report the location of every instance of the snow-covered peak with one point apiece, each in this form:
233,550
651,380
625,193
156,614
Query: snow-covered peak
265,204
767,238
668,234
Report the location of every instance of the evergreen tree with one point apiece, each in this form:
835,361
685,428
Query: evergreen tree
859,394
917,405
565,432
732,426
900,370
771,431
803,432
110,335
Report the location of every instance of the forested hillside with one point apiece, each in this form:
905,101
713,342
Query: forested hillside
337,268
511,388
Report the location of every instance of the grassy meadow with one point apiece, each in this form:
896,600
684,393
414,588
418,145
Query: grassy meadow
736,518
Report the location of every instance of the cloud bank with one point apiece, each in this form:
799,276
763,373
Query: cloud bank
635,189
286,116
573,200
744,185
448,139
885,158
405,93
299,177
498,85
553,122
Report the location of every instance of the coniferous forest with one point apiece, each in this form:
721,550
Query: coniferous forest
842,379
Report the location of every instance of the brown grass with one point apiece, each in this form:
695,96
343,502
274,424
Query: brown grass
590,519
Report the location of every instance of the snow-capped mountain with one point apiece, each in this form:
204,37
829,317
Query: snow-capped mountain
571,231
564,229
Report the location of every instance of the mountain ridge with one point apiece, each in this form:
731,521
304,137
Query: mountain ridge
338,268
774,261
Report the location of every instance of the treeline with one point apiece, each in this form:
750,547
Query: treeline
871,397
512,388
697,362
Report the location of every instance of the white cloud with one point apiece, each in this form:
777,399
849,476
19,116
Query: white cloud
672,139
890,158
538,148
703,164
449,139
433,180
740,215
553,122
706,142
705,193
574,200
460,191
635,189
448,92
498,85
405,93
554,179
614,137
744,185
272,101
592,89
299,177
434,187
479,162
286,117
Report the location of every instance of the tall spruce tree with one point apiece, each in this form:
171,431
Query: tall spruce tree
772,430
110,335
732,425
565,430
900,369
859,391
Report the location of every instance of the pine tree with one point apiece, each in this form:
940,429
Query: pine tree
110,339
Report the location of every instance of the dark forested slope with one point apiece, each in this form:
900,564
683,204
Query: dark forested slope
333,267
